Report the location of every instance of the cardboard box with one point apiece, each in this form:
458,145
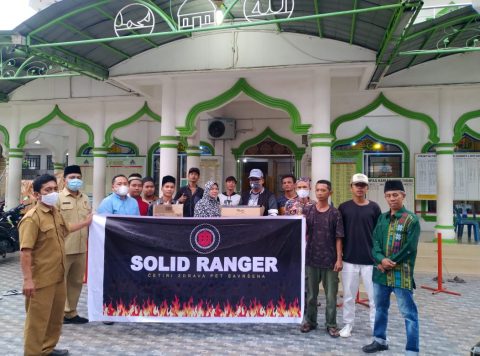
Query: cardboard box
242,210
175,210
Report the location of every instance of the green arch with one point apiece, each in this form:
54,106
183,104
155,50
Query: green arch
382,100
242,86
297,151
465,129
461,124
369,132
210,146
115,140
153,148
56,112
145,110
6,136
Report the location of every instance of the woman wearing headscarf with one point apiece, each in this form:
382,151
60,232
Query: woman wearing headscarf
208,206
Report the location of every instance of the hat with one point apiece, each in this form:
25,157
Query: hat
71,169
168,179
393,185
256,173
230,178
359,178
194,170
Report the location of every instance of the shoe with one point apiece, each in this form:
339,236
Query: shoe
346,331
108,322
333,332
305,328
75,320
58,352
374,347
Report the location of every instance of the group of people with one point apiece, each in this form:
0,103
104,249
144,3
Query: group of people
356,239
362,243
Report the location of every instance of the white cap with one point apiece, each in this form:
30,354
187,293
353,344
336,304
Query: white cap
256,173
359,178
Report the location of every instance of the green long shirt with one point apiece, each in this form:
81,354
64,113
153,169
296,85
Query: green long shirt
396,237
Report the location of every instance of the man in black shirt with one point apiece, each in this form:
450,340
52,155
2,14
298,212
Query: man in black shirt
359,218
190,194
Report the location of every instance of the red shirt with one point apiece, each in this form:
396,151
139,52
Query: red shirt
142,206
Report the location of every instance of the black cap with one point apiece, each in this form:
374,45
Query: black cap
194,170
230,178
168,179
393,185
71,169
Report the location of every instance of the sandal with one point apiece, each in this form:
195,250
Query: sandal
305,328
333,332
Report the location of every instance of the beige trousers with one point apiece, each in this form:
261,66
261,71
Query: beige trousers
44,320
74,272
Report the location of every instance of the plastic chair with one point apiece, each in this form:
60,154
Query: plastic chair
461,221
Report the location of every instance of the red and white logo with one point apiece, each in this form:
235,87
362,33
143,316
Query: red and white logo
205,238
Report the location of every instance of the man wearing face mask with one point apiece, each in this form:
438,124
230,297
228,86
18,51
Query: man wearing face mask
42,257
259,195
297,205
74,208
119,203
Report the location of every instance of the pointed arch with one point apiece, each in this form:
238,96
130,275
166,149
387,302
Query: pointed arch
268,132
242,86
6,136
383,100
461,124
144,110
368,132
56,112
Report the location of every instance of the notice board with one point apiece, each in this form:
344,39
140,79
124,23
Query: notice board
377,185
344,165
466,180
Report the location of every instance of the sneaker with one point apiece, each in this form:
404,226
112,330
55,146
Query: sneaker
374,347
346,331
75,320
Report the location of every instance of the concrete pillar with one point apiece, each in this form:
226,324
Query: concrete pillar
99,158
193,153
168,139
72,146
14,178
15,162
445,176
320,138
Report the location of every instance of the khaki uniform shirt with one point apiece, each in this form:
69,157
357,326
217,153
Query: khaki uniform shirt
43,230
74,210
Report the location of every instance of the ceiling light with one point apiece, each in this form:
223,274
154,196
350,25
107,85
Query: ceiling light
37,142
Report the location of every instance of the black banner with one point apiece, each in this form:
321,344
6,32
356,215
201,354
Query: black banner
203,268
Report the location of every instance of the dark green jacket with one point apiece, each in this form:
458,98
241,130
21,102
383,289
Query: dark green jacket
396,237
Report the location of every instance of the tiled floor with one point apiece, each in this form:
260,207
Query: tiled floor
449,325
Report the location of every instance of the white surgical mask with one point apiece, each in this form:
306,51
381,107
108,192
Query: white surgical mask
122,190
50,199
303,193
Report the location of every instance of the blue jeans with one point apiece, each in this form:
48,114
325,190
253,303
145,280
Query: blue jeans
407,307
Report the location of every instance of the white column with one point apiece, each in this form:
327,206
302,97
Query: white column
445,175
99,158
14,178
320,138
193,153
15,163
169,139
72,146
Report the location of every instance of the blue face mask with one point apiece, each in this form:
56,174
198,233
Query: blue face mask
75,184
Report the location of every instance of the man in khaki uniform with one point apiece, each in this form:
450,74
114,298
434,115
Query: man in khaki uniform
74,207
42,257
